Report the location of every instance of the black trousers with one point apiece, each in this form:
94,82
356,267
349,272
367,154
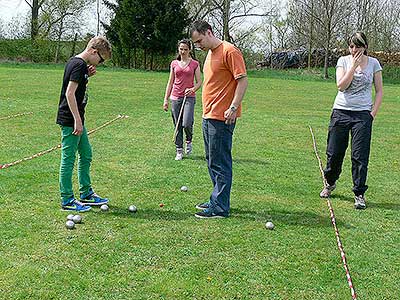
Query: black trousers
359,124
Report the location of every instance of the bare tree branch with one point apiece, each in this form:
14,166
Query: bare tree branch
249,15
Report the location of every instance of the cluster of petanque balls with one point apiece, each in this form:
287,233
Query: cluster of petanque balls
72,220
77,219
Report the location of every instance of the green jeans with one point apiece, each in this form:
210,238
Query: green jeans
70,144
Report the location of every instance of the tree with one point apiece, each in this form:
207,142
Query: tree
2,26
64,16
16,28
302,21
35,6
199,9
226,16
282,29
49,16
98,16
112,29
327,16
152,26
172,13
60,16
235,13
378,19
388,27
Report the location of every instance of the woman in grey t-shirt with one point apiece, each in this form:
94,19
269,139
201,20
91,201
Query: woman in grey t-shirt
353,112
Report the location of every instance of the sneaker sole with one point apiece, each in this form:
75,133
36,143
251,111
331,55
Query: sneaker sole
360,206
212,217
79,211
325,195
95,204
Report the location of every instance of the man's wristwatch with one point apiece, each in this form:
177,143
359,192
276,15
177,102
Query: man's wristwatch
233,108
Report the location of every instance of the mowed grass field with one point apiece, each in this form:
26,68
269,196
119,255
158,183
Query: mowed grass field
165,252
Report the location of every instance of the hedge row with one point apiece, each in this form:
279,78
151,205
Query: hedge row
39,51
44,51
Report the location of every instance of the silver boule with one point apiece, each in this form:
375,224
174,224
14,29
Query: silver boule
184,188
104,207
77,219
70,224
132,208
270,225
70,217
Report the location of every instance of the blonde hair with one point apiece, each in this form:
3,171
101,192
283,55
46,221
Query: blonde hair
101,44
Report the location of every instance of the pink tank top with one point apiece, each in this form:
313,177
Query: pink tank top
184,78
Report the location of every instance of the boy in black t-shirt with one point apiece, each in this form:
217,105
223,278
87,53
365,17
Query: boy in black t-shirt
70,117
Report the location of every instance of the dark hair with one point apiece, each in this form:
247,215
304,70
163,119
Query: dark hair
200,26
359,39
187,43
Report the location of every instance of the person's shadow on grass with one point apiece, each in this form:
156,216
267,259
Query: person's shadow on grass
370,204
161,213
234,160
297,218
391,206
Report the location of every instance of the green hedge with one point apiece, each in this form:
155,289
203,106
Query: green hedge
43,51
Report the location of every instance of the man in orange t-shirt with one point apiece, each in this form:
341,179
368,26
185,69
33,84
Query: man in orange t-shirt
225,82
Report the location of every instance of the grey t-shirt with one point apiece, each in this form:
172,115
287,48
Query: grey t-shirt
358,96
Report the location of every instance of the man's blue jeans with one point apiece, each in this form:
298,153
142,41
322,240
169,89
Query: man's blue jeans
218,147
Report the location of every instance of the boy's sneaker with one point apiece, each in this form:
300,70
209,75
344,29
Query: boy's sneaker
189,148
359,202
75,205
179,154
207,214
326,191
93,199
202,206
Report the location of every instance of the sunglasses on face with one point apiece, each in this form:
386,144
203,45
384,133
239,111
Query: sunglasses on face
101,58
354,46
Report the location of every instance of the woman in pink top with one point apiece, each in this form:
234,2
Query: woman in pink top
184,70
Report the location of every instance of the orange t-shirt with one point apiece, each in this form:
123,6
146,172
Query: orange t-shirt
223,65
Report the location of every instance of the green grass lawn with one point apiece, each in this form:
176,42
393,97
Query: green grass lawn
165,252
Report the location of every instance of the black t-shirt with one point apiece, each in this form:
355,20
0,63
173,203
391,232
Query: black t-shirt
75,70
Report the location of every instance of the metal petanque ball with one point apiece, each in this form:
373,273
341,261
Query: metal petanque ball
269,225
70,217
184,188
132,208
104,207
77,219
70,224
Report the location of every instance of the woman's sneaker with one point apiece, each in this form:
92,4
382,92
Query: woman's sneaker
189,148
179,154
93,199
359,202
75,205
326,191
